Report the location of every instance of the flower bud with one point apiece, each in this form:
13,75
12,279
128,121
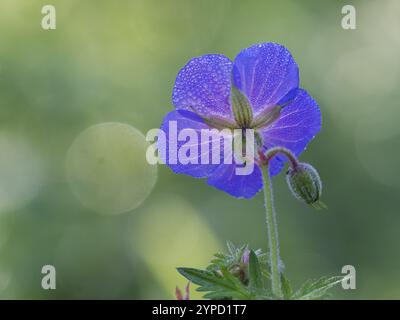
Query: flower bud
305,184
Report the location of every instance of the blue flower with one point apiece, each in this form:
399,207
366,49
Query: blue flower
268,77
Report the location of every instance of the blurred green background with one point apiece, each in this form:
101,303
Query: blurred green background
116,61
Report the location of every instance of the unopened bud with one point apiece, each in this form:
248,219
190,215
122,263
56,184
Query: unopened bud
305,184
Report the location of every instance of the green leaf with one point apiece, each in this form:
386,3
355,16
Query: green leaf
219,260
231,248
225,286
220,255
202,278
255,275
233,280
286,288
228,275
317,289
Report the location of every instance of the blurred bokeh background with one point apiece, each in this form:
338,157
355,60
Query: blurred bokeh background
115,62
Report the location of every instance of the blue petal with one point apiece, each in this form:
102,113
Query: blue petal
203,86
186,120
239,186
266,73
222,176
297,125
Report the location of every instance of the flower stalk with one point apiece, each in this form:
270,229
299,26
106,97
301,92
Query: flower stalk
272,225
274,151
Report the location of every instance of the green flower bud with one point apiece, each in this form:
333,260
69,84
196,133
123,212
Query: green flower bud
305,184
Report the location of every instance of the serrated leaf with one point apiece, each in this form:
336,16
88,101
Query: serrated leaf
203,278
317,289
217,261
255,275
231,248
225,286
232,279
220,255
286,288
227,275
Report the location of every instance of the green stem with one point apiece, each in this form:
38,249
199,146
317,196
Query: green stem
272,232
275,150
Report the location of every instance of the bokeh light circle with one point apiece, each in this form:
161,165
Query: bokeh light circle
168,233
107,168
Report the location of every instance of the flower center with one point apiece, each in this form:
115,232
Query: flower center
243,112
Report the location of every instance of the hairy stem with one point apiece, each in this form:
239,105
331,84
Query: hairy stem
275,150
272,232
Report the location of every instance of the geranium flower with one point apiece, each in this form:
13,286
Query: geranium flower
266,77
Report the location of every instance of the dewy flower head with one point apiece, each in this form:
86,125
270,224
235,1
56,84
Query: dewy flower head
258,91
